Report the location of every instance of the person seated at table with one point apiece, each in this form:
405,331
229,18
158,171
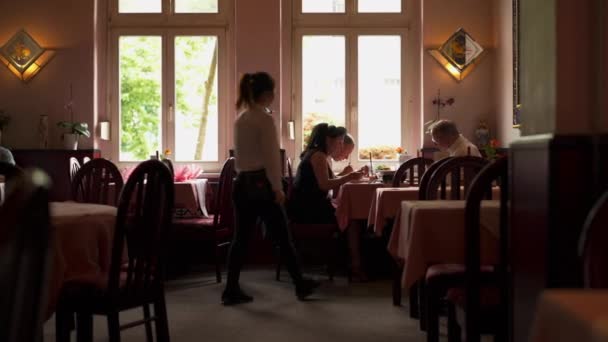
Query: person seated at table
6,156
344,153
310,201
446,136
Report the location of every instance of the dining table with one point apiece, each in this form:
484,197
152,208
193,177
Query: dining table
566,315
433,232
82,245
354,201
385,205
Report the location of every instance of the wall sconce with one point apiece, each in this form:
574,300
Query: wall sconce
104,130
459,54
23,56
291,126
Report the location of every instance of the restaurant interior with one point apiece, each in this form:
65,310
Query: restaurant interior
461,146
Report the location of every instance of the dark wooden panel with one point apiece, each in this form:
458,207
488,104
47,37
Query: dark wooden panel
551,193
56,164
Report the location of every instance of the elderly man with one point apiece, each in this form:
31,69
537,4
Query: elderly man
445,134
6,156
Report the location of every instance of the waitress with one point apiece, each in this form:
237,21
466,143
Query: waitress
258,189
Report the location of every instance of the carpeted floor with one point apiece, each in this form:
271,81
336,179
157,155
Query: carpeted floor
337,312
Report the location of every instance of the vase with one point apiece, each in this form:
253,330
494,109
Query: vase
70,141
43,131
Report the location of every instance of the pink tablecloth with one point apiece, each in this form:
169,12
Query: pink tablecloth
432,232
385,205
571,315
83,244
353,202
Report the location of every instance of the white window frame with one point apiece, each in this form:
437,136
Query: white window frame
168,27
351,25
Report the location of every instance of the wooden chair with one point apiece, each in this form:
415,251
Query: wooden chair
414,300
169,164
426,178
98,181
592,245
480,289
142,226
322,234
74,167
461,170
218,228
25,250
408,170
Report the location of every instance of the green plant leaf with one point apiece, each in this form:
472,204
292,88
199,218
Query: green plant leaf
82,128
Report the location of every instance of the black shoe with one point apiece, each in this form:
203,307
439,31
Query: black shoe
306,287
235,297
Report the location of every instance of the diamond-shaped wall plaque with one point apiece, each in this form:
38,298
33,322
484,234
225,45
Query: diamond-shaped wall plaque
21,50
458,54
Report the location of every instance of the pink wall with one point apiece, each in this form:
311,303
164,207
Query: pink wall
71,33
475,98
258,41
503,14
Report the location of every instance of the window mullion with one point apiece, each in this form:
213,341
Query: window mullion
352,87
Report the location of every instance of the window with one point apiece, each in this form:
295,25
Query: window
168,81
352,74
323,6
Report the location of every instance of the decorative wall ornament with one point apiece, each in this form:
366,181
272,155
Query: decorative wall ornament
23,56
459,54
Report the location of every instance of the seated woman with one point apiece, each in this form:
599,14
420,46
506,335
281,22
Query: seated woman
310,201
344,153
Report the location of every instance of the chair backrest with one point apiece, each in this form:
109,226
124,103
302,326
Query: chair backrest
592,245
408,170
25,240
493,173
98,181
143,222
461,171
426,178
289,178
224,216
85,160
74,167
169,164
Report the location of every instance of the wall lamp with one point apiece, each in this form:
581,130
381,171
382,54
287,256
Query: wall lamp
23,56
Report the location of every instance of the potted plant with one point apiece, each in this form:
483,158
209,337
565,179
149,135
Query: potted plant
73,131
5,119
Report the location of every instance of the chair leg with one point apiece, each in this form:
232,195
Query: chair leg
148,324
84,329
279,262
62,326
413,301
453,327
397,271
432,316
218,270
162,323
422,304
113,327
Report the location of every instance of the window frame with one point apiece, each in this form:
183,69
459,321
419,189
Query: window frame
168,26
351,24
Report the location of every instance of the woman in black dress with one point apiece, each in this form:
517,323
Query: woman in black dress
310,201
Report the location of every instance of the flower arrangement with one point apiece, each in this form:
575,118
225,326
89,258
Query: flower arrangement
5,119
491,149
399,150
72,127
186,172
167,154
